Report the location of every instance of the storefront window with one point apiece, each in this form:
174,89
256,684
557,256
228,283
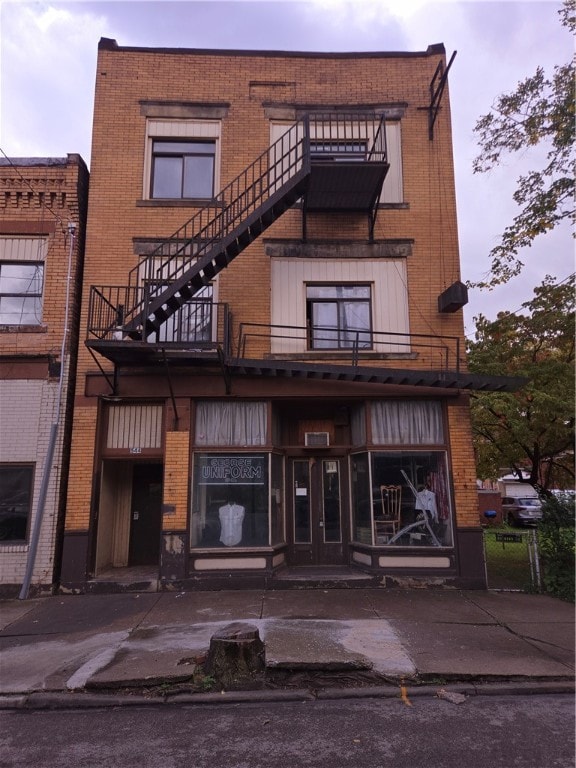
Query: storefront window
230,500
409,501
361,498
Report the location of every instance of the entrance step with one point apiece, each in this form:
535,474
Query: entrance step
321,577
130,579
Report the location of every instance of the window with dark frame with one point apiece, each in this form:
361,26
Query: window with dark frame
182,169
338,150
21,284
339,316
15,501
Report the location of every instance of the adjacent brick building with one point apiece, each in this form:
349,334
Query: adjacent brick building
273,377
43,206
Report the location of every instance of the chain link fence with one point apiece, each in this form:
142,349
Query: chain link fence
512,560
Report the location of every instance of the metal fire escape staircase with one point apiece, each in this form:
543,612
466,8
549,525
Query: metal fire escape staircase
329,162
179,268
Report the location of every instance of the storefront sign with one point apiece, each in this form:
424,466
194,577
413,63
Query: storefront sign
231,470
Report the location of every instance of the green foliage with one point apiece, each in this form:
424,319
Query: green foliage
531,430
558,546
508,563
540,112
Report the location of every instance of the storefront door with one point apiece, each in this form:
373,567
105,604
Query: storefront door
145,514
316,523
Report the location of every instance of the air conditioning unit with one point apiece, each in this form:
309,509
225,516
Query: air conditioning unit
317,439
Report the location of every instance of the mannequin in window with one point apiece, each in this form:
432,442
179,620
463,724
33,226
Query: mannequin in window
231,518
426,502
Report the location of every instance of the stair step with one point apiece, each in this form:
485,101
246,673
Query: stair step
175,302
210,270
269,217
222,259
160,315
233,249
198,282
257,228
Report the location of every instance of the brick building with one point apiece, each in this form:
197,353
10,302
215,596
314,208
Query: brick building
273,382
43,205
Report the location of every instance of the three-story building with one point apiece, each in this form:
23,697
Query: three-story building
274,372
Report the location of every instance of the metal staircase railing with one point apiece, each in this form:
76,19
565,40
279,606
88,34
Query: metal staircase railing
189,259
210,240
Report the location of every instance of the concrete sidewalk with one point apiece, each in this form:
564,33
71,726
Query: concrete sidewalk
351,638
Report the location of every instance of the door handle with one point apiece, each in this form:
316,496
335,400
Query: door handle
135,515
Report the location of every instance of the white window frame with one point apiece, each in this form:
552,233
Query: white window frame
26,250
159,129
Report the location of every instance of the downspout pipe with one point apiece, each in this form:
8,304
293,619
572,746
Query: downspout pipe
48,461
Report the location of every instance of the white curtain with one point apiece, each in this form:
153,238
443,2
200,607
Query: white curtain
358,425
224,423
406,422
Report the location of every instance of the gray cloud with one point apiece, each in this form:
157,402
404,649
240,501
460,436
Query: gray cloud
49,60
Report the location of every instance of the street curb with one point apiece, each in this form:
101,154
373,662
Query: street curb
81,700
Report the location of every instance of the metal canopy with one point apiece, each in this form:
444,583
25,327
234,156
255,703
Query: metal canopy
395,376
142,354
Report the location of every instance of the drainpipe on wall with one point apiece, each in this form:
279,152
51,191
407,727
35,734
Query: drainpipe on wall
47,470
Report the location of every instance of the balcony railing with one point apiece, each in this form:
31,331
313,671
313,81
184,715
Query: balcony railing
255,340
201,323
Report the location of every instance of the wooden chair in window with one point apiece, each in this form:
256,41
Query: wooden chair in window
387,523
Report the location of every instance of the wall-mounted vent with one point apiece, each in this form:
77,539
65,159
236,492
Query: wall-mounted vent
317,439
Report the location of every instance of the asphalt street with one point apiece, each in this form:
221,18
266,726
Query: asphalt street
535,731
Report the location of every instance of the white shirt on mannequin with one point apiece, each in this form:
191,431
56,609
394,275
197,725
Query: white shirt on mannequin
231,518
426,501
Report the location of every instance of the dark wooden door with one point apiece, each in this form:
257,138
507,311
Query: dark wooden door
317,523
146,514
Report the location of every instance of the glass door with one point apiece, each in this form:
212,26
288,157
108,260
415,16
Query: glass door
317,524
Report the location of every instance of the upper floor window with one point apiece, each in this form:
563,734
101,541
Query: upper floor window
338,150
338,316
182,169
21,286
182,159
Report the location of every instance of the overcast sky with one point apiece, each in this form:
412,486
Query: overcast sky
48,62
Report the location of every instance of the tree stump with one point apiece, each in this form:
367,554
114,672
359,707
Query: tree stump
236,659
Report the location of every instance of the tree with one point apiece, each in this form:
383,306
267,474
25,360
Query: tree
556,544
540,112
530,431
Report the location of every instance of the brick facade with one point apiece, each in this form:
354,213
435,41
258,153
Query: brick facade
245,93
39,199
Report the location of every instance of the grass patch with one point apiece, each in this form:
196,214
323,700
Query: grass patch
508,562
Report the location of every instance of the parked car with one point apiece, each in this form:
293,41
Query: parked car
521,510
